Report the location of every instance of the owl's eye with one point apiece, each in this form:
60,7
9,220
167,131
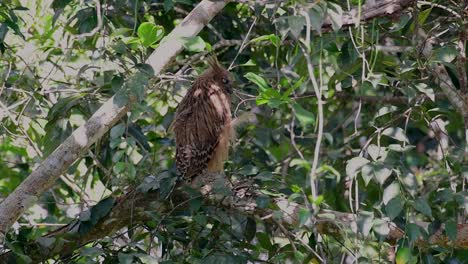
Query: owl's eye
225,81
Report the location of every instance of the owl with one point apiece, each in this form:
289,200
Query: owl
202,124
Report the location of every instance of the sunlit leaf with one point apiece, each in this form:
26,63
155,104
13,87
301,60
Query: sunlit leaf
258,80
396,133
390,192
335,13
380,226
304,116
365,222
403,255
354,165
423,88
149,33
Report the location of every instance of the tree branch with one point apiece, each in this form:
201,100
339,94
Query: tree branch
370,10
130,210
44,177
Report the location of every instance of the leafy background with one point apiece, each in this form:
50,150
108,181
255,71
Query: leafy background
403,159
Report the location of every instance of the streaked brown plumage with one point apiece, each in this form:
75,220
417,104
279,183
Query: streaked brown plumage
202,124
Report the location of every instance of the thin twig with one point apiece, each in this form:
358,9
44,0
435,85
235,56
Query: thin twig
243,45
99,23
305,47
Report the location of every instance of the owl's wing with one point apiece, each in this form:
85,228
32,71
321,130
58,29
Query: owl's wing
197,128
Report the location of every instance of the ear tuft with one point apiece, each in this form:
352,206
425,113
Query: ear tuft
214,63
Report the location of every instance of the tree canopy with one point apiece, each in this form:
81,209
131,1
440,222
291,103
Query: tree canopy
351,145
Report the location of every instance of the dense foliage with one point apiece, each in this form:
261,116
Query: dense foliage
392,146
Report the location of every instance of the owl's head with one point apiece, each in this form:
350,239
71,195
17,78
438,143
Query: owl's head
220,75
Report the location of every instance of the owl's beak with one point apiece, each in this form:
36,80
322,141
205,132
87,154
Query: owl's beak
229,88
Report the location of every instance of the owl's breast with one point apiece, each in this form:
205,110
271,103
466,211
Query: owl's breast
222,105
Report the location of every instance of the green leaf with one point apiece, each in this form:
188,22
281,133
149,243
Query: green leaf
299,256
93,252
194,44
264,240
250,62
403,255
390,192
56,132
340,76
149,33
292,88
394,207
445,54
423,15
376,170
365,222
413,231
125,258
275,40
317,17
120,167
101,209
386,110
396,133
301,163
134,86
296,24
305,117
335,13
271,97
201,219
367,173
250,229
292,24
195,205
376,152
259,81
451,229
423,207
168,5
59,4
354,165
118,130
429,92
263,201
46,242
381,172
380,226
63,107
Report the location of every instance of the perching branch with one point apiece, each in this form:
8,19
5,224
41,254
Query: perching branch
44,177
129,210
370,10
